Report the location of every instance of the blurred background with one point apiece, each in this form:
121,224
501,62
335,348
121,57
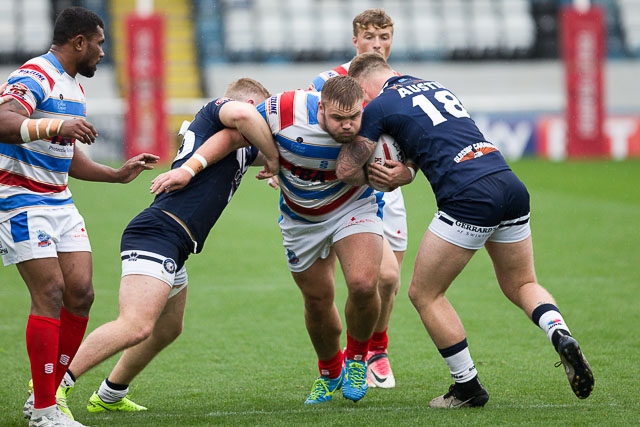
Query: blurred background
502,58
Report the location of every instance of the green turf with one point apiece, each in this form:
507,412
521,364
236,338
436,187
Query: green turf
245,359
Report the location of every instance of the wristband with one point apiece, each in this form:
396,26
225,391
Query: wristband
413,173
34,129
196,163
201,158
188,169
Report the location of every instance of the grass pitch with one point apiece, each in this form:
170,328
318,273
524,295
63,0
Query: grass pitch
245,359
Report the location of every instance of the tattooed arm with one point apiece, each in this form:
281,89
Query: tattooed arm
352,161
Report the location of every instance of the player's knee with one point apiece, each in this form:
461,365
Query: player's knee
388,282
78,298
362,288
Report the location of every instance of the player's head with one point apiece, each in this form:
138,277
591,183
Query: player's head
247,90
370,70
373,32
340,108
84,30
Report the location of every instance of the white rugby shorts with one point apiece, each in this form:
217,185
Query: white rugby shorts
305,242
394,220
473,236
42,233
157,266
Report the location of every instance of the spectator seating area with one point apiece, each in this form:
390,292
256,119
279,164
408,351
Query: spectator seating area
318,30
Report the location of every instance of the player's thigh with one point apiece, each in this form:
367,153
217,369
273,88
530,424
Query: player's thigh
360,257
318,281
77,269
170,323
513,263
142,298
438,263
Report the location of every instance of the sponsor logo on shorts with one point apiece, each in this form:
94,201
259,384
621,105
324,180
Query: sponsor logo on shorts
133,256
292,257
81,233
169,265
3,250
44,239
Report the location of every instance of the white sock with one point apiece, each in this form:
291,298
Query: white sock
67,381
552,321
461,366
48,411
109,395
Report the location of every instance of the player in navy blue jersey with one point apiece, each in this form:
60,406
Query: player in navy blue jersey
217,148
481,203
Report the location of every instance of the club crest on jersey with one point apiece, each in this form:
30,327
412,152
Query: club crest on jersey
474,151
169,265
17,89
221,101
44,239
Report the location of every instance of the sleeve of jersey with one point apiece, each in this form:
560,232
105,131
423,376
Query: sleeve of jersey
269,112
372,121
29,86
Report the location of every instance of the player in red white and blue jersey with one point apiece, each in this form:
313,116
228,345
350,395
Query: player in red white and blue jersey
324,219
217,149
373,32
481,203
42,118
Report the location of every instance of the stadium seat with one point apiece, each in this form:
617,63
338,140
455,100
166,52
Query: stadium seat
630,22
8,27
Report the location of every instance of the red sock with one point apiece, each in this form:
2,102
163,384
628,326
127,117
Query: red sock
72,329
42,348
356,349
333,367
379,341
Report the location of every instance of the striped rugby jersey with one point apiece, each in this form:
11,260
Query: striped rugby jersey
310,190
319,81
34,175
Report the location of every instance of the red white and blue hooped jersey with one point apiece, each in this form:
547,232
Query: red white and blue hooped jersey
435,131
319,81
310,189
34,175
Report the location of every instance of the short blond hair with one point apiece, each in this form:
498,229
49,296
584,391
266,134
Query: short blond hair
366,63
343,92
376,18
245,89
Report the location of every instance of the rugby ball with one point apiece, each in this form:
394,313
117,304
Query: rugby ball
386,149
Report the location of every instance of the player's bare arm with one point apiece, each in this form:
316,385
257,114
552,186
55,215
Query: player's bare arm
82,167
244,117
352,160
17,128
214,149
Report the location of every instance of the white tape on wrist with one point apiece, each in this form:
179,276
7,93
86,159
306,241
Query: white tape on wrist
413,173
188,169
201,159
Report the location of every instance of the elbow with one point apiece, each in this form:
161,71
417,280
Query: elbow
347,176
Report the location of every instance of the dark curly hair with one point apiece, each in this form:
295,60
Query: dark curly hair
74,21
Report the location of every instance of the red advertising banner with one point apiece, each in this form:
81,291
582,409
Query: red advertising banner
583,47
146,127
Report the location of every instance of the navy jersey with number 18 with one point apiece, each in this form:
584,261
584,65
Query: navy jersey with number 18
435,131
